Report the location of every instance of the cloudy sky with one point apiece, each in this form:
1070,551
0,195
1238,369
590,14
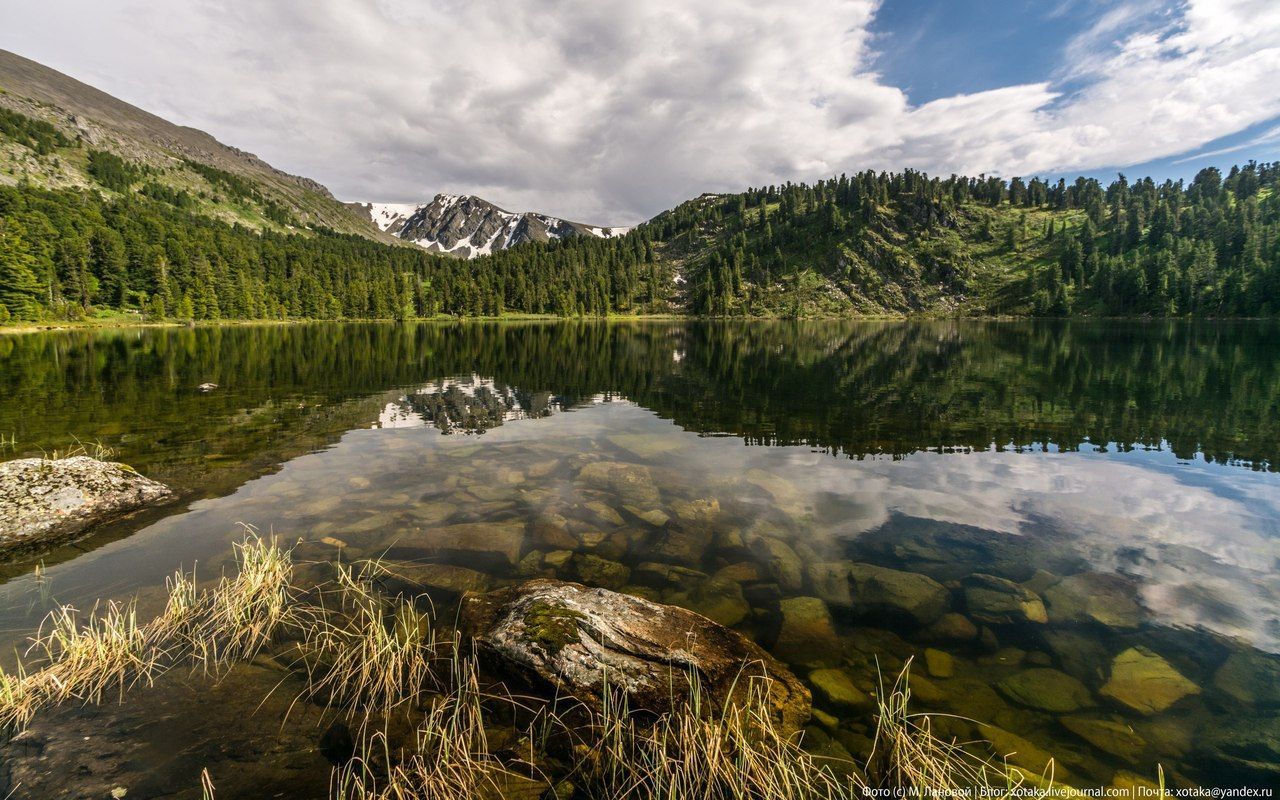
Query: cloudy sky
608,111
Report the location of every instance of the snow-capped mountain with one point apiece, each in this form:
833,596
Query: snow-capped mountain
468,226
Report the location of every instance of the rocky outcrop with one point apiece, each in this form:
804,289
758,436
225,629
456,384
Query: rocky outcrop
554,635
44,501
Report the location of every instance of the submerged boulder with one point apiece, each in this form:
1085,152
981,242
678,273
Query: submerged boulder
870,590
998,601
45,501
1144,682
582,641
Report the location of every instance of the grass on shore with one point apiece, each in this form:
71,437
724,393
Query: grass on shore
374,659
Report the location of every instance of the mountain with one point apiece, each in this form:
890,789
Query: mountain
469,226
159,157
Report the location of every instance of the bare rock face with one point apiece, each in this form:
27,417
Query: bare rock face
565,636
45,501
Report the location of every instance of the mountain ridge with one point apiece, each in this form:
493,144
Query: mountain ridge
464,225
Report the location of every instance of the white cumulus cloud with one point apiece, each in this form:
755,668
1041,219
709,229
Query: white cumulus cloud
610,110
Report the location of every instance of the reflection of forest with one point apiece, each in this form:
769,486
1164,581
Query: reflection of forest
848,387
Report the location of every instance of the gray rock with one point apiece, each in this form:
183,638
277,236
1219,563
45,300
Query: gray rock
45,502
631,483
565,636
997,601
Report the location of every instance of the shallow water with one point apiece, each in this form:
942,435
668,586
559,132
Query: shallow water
1123,473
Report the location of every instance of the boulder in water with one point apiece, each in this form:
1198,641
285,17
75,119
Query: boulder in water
571,638
47,501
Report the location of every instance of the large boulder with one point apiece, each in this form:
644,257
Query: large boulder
47,501
871,590
571,639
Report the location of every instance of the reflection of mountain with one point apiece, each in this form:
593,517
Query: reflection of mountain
855,388
474,405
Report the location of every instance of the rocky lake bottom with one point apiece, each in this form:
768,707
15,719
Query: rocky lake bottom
1109,607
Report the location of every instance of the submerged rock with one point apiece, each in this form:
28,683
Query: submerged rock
1046,689
807,635
1251,677
44,501
1115,738
780,561
493,542
412,578
871,590
631,483
998,601
835,689
1250,746
1144,682
1106,599
568,637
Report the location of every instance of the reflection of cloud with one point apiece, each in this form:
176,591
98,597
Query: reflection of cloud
1206,558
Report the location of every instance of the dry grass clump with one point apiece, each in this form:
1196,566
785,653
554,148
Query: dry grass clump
86,657
449,757
738,753
907,753
367,651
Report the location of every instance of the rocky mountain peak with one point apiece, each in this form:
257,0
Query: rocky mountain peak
468,226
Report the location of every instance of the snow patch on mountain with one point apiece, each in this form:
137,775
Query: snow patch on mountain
469,226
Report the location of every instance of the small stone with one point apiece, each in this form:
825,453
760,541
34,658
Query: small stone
1143,681
925,690
1046,689
807,635
939,663
997,601
696,513
1016,750
654,516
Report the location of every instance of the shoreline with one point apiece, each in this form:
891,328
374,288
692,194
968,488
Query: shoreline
116,323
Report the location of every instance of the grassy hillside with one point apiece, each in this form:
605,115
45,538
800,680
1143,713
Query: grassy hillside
184,166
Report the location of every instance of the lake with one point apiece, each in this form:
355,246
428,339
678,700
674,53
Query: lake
1098,499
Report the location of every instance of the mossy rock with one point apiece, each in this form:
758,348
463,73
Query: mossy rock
551,627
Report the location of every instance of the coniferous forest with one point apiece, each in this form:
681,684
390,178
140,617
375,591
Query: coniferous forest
871,243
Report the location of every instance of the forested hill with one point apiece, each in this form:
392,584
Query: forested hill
908,243
93,218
